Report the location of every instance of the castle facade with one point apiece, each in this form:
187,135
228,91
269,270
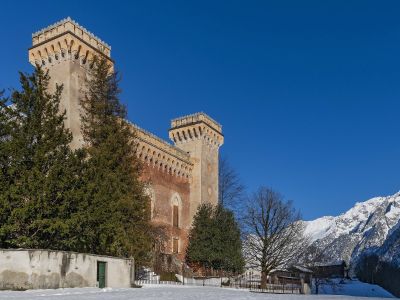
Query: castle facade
182,174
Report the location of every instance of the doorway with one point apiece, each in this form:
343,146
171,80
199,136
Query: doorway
101,274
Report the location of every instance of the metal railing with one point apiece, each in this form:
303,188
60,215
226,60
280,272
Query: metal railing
212,282
252,286
277,289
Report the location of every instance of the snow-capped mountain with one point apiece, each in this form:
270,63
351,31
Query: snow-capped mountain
367,226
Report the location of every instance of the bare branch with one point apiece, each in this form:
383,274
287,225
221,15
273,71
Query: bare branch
230,187
273,232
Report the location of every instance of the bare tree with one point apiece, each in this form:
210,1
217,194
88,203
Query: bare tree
230,187
273,232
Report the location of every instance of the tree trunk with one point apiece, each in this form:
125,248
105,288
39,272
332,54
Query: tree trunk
263,279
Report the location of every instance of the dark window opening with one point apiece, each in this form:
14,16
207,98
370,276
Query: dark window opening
175,245
175,216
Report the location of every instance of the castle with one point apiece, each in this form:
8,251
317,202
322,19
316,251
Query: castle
182,175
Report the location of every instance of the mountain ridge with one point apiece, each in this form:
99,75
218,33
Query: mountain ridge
372,225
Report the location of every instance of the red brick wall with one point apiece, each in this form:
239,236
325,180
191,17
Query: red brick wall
165,186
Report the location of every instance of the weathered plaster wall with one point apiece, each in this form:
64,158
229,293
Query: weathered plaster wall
69,73
46,269
209,173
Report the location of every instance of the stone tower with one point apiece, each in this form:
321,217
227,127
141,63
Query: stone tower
67,49
200,136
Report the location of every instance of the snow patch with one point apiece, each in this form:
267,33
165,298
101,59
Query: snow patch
319,228
355,288
164,292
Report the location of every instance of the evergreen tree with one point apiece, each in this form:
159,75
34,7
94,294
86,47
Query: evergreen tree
373,269
36,163
201,238
214,240
228,254
5,130
4,116
117,207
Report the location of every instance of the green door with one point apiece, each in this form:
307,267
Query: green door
101,274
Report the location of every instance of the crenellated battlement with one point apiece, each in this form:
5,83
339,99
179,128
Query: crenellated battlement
64,25
161,155
63,40
194,119
195,127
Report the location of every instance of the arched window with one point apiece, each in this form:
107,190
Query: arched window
176,207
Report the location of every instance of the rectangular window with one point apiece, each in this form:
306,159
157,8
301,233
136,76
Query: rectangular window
175,245
175,216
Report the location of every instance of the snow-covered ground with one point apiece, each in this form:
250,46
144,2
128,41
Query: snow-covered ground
160,292
355,288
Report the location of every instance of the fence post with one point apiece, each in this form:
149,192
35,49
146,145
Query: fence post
251,280
183,273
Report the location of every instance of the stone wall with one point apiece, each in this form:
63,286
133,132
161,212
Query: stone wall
22,269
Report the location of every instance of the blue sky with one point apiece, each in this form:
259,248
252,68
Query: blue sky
307,91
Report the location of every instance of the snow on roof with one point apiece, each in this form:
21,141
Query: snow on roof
330,264
299,268
303,269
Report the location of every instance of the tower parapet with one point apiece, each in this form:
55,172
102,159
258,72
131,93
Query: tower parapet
196,126
66,50
66,39
161,155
